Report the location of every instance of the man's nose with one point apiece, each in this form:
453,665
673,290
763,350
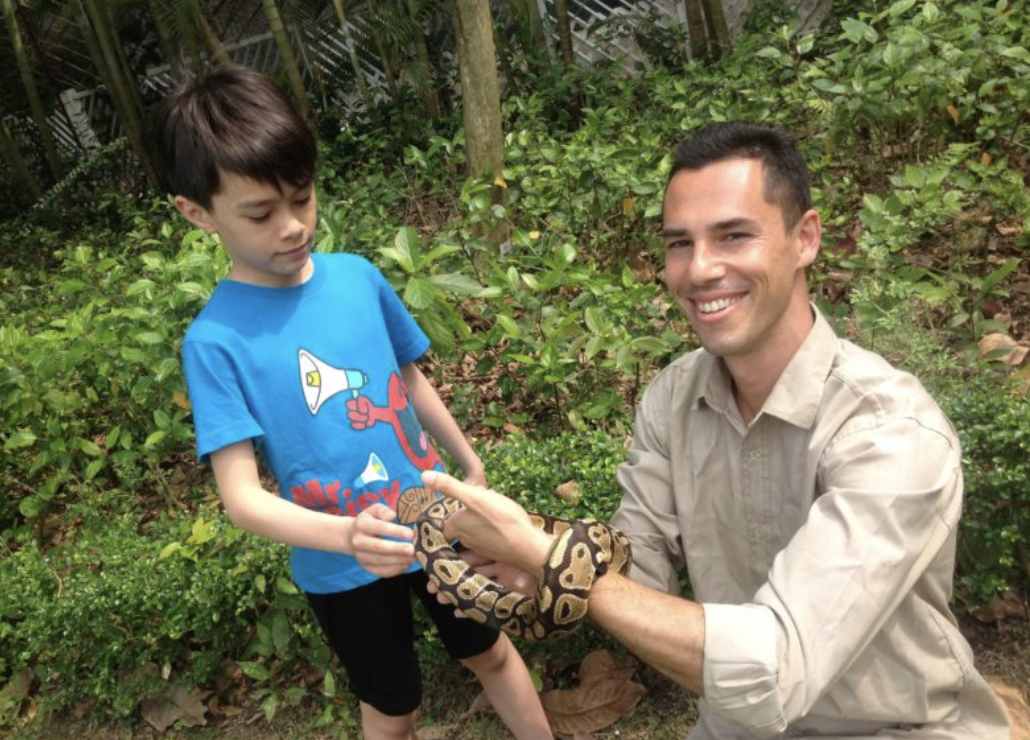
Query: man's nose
706,263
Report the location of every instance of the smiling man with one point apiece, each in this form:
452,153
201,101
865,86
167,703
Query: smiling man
811,490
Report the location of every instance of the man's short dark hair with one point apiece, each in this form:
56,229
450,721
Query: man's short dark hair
786,176
234,120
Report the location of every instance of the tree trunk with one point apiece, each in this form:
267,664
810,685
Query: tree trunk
719,32
166,40
481,100
32,92
531,33
564,21
696,29
355,63
27,183
92,22
288,58
212,42
426,83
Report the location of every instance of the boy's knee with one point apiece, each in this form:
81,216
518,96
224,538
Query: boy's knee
490,660
375,724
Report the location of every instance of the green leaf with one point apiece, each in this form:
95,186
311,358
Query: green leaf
856,31
594,320
94,468
254,670
285,586
329,684
168,550
281,633
419,293
21,438
455,282
31,506
510,327
406,244
901,7
154,438
89,447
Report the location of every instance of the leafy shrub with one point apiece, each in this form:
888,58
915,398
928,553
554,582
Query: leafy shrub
93,395
88,616
994,538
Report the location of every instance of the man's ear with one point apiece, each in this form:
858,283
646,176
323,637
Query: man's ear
195,213
810,236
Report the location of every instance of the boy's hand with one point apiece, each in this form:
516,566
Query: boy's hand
374,542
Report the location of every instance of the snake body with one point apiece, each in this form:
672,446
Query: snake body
581,552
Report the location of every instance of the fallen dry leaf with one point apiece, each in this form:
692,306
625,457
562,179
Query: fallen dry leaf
1002,347
568,491
605,664
591,707
1004,606
435,732
1015,706
181,705
605,694
480,704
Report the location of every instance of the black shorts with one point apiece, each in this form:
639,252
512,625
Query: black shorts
371,629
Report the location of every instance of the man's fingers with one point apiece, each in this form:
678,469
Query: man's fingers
450,486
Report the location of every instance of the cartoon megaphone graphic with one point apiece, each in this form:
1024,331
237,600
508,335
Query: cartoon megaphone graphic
375,470
321,381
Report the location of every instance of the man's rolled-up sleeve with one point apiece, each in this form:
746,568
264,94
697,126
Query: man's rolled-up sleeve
741,666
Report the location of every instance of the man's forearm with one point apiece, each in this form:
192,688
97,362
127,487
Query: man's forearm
666,632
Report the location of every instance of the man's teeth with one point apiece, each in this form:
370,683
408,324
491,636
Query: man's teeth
713,306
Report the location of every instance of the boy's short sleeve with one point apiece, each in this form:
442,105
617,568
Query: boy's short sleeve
407,338
220,413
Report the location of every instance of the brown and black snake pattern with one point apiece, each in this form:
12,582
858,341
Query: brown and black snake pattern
582,550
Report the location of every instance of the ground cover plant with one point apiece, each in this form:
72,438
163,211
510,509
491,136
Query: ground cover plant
128,594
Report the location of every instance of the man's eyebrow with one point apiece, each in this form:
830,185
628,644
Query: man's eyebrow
719,226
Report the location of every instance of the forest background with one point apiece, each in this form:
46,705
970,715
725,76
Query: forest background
518,222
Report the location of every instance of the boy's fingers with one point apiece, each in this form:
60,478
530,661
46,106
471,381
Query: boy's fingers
382,526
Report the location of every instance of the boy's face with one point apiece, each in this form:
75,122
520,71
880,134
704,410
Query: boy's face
266,231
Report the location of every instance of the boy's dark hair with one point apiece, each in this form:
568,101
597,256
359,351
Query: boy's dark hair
786,176
235,120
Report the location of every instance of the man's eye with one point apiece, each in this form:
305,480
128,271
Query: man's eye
304,201
259,219
679,244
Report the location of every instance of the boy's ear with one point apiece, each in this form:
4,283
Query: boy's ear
195,213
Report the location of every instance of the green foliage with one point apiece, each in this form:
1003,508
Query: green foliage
93,396
994,541
89,615
530,470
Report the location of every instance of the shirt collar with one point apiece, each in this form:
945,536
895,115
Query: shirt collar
796,396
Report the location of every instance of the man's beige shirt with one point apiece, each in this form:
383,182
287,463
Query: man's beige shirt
820,540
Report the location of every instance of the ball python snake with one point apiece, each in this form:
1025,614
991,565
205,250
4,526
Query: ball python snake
582,551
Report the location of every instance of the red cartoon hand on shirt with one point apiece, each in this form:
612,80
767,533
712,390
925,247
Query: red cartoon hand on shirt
363,413
399,414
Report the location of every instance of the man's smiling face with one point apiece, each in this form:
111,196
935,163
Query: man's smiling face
734,268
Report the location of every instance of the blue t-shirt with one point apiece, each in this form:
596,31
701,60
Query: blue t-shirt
311,374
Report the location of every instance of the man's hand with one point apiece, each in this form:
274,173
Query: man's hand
492,525
374,542
510,577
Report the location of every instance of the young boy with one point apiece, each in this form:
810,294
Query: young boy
308,359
